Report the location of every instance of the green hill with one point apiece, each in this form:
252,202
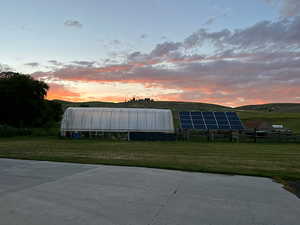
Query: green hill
174,106
273,107
287,114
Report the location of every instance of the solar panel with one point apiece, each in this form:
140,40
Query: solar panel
200,126
187,126
220,114
235,122
223,127
212,126
232,115
198,121
223,123
186,121
208,115
184,113
210,120
197,117
185,117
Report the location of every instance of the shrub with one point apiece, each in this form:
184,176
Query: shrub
8,131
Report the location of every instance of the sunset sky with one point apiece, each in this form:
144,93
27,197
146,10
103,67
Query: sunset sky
229,52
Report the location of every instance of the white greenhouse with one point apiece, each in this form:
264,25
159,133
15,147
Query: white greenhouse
76,120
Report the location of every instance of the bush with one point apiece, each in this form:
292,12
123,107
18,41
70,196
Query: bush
8,131
45,132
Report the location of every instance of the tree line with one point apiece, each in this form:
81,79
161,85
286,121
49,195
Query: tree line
23,103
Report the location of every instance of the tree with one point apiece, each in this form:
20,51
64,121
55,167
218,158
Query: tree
23,100
52,113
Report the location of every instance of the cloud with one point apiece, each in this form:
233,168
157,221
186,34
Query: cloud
32,64
165,48
210,21
55,62
59,91
270,1
25,28
115,42
258,64
198,38
264,35
84,63
73,23
143,36
290,8
5,68
274,79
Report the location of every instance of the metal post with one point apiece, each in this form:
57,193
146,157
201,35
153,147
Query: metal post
208,135
213,136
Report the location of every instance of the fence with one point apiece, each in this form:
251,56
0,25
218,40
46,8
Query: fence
246,136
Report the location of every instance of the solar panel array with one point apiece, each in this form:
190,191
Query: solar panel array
210,121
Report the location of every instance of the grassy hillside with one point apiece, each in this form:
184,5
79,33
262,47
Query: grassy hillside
273,107
289,120
192,106
287,114
174,106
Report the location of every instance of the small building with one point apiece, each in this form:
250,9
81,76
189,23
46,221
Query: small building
77,120
258,124
277,127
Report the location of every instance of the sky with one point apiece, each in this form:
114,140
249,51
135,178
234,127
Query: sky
227,52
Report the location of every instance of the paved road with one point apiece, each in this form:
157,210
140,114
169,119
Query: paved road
46,193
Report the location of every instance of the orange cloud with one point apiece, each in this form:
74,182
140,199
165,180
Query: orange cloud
61,92
115,68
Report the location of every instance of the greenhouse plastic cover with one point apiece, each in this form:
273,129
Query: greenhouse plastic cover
117,120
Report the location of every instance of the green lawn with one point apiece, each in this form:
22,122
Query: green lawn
269,160
289,120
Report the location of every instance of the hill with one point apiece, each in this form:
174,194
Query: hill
287,114
190,106
174,106
273,107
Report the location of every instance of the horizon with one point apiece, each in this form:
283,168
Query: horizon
179,102
224,52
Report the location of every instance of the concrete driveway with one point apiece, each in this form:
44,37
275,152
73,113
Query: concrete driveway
46,193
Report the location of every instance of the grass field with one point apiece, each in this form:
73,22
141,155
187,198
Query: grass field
289,120
281,161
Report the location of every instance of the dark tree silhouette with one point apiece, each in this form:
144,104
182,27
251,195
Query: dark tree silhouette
23,101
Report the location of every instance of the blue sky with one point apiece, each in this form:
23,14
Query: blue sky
103,34
34,30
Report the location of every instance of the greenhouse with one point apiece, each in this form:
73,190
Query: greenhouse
78,120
